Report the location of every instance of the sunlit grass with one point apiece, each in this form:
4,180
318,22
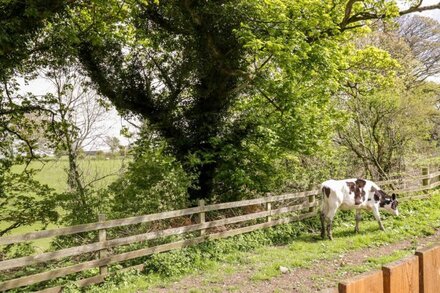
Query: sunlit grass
53,172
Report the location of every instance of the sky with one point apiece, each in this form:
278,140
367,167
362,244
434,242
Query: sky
435,14
111,127
432,13
114,122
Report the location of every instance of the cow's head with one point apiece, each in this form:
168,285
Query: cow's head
386,202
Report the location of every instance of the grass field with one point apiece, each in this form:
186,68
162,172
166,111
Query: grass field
53,173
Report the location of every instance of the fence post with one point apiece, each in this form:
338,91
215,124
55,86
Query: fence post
202,216
103,270
425,171
269,209
401,276
438,169
311,200
429,258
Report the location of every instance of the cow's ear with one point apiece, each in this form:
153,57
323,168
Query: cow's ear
393,197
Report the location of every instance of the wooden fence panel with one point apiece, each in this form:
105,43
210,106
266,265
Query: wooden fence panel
429,266
148,218
402,276
32,279
30,260
371,282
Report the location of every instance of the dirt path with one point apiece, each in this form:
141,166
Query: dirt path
321,274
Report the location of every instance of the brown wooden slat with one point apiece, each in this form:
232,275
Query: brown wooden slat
61,272
146,218
29,260
435,184
33,259
91,280
261,200
413,178
429,268
371,282
406,198
385,182
412,189
402,276
284,220
96,226
80,283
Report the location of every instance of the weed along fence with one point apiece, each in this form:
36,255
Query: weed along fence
123,241
416,274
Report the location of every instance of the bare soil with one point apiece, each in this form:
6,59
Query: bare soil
320,275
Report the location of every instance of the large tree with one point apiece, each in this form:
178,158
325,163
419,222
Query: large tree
387,122
21,22
185,65
211,76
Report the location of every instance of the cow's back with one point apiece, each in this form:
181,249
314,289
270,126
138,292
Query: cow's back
333,191
349,200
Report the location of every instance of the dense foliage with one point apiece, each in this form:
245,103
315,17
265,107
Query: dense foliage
238,98
153,181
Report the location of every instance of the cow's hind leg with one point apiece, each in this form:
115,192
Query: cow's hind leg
358,219
322,217
330,215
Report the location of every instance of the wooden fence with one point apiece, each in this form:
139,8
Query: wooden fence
416,274
243,216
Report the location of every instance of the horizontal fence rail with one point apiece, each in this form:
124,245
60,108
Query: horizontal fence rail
269,211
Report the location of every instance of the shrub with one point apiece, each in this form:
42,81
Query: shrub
154,182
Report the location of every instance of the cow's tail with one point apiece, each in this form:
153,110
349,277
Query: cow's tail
325,191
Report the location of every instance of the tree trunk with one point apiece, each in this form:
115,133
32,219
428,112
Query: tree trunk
74,178
204,183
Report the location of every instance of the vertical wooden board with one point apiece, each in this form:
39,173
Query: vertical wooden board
429,264
371,282
402,276
103,270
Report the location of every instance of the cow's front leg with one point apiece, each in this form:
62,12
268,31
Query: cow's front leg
358,219
377,216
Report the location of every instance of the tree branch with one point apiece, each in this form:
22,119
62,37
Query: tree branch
417,8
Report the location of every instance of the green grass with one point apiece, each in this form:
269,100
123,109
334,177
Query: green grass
374,263
53,172
417,219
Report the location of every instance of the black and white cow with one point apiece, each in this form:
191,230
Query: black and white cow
353,194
